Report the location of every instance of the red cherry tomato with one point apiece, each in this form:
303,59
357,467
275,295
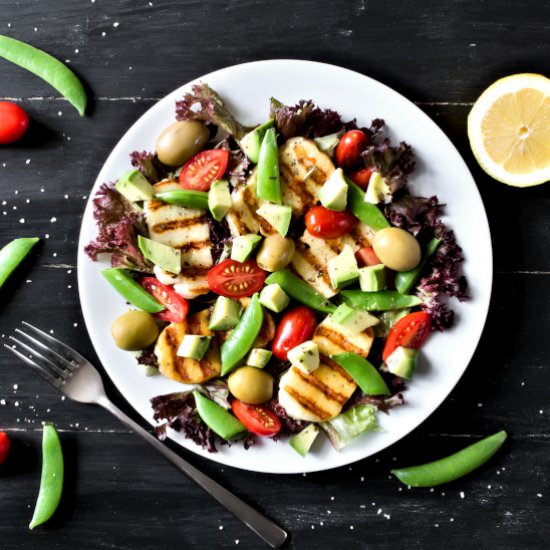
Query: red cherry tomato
367,256
361,177
176,305
328,224
204,169
409,332
296,326
236,279
257,419
14,122
5,444
349,149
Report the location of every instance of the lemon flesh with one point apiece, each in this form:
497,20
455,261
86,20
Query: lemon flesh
509,130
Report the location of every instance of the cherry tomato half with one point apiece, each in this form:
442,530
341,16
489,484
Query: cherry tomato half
296,326
14,122
236,279
203,169
176,305
349,149
409,332
328,224
5,444
367,256
257,419
361,177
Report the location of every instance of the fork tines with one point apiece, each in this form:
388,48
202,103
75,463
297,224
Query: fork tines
44,354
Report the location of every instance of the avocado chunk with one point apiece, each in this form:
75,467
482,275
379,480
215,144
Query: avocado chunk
243,245
303,440
219,199
160,254
273,297
278,215
217,418
372,278
305,356
402,362
353,320
328,143
258,358
194,346
378,190
343,269
135,186
334,193
251,142
225,315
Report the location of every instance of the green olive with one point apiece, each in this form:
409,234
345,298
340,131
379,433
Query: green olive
134,330
180,141
397,249
251,385
275,253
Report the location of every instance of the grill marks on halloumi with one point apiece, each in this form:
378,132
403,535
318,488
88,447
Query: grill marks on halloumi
304,169
179,227
190,283
317,396
312,255
331,338
181,369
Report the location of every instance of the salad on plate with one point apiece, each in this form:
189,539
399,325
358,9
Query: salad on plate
286,274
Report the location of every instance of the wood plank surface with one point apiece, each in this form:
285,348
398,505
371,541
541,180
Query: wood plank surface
120,493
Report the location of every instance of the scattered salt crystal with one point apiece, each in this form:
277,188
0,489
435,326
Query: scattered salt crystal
352,527
103,33
220,527
59,113
35,29
28,161
47,236
539,495
75,325
451,519
63,398
461,494
436,524
480,404
16,191
53,219
69,271
379,511
116,24
387,516
76,50
2,401
21,220
15,387
42,190
28,201
65,196
54,254
331,498
16,404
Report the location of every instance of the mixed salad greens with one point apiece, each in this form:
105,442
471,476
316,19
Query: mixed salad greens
285,272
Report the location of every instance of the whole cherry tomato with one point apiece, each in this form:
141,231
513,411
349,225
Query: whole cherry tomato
14,122
296,326
349,149
328,224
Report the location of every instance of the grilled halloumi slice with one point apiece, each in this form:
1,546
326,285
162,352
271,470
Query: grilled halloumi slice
190,283
304,169
182,369
179,227
317,396
332,338
312,255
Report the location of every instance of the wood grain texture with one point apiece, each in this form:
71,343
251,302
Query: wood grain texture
121,494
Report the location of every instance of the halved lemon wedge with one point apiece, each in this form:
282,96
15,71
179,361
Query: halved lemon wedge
509,130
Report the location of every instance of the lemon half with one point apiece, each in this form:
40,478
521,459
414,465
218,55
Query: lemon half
509,130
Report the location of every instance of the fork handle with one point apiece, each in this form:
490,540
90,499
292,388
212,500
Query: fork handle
262,526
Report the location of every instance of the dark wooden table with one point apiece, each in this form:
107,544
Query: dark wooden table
121,494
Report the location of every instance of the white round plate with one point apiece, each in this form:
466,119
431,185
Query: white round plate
440,170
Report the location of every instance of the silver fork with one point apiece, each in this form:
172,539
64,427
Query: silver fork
78,379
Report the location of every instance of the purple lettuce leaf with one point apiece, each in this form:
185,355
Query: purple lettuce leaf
118,225
203,103
239,166
444,279
394,163
149,165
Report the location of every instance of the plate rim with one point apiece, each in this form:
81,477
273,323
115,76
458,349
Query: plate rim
81,257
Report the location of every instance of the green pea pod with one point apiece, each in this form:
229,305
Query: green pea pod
243,336
405,280
381,300
366,212
217,418
185,198
13,254
131,290
453,466
268,182
300,291
47,67
51,480
363,373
